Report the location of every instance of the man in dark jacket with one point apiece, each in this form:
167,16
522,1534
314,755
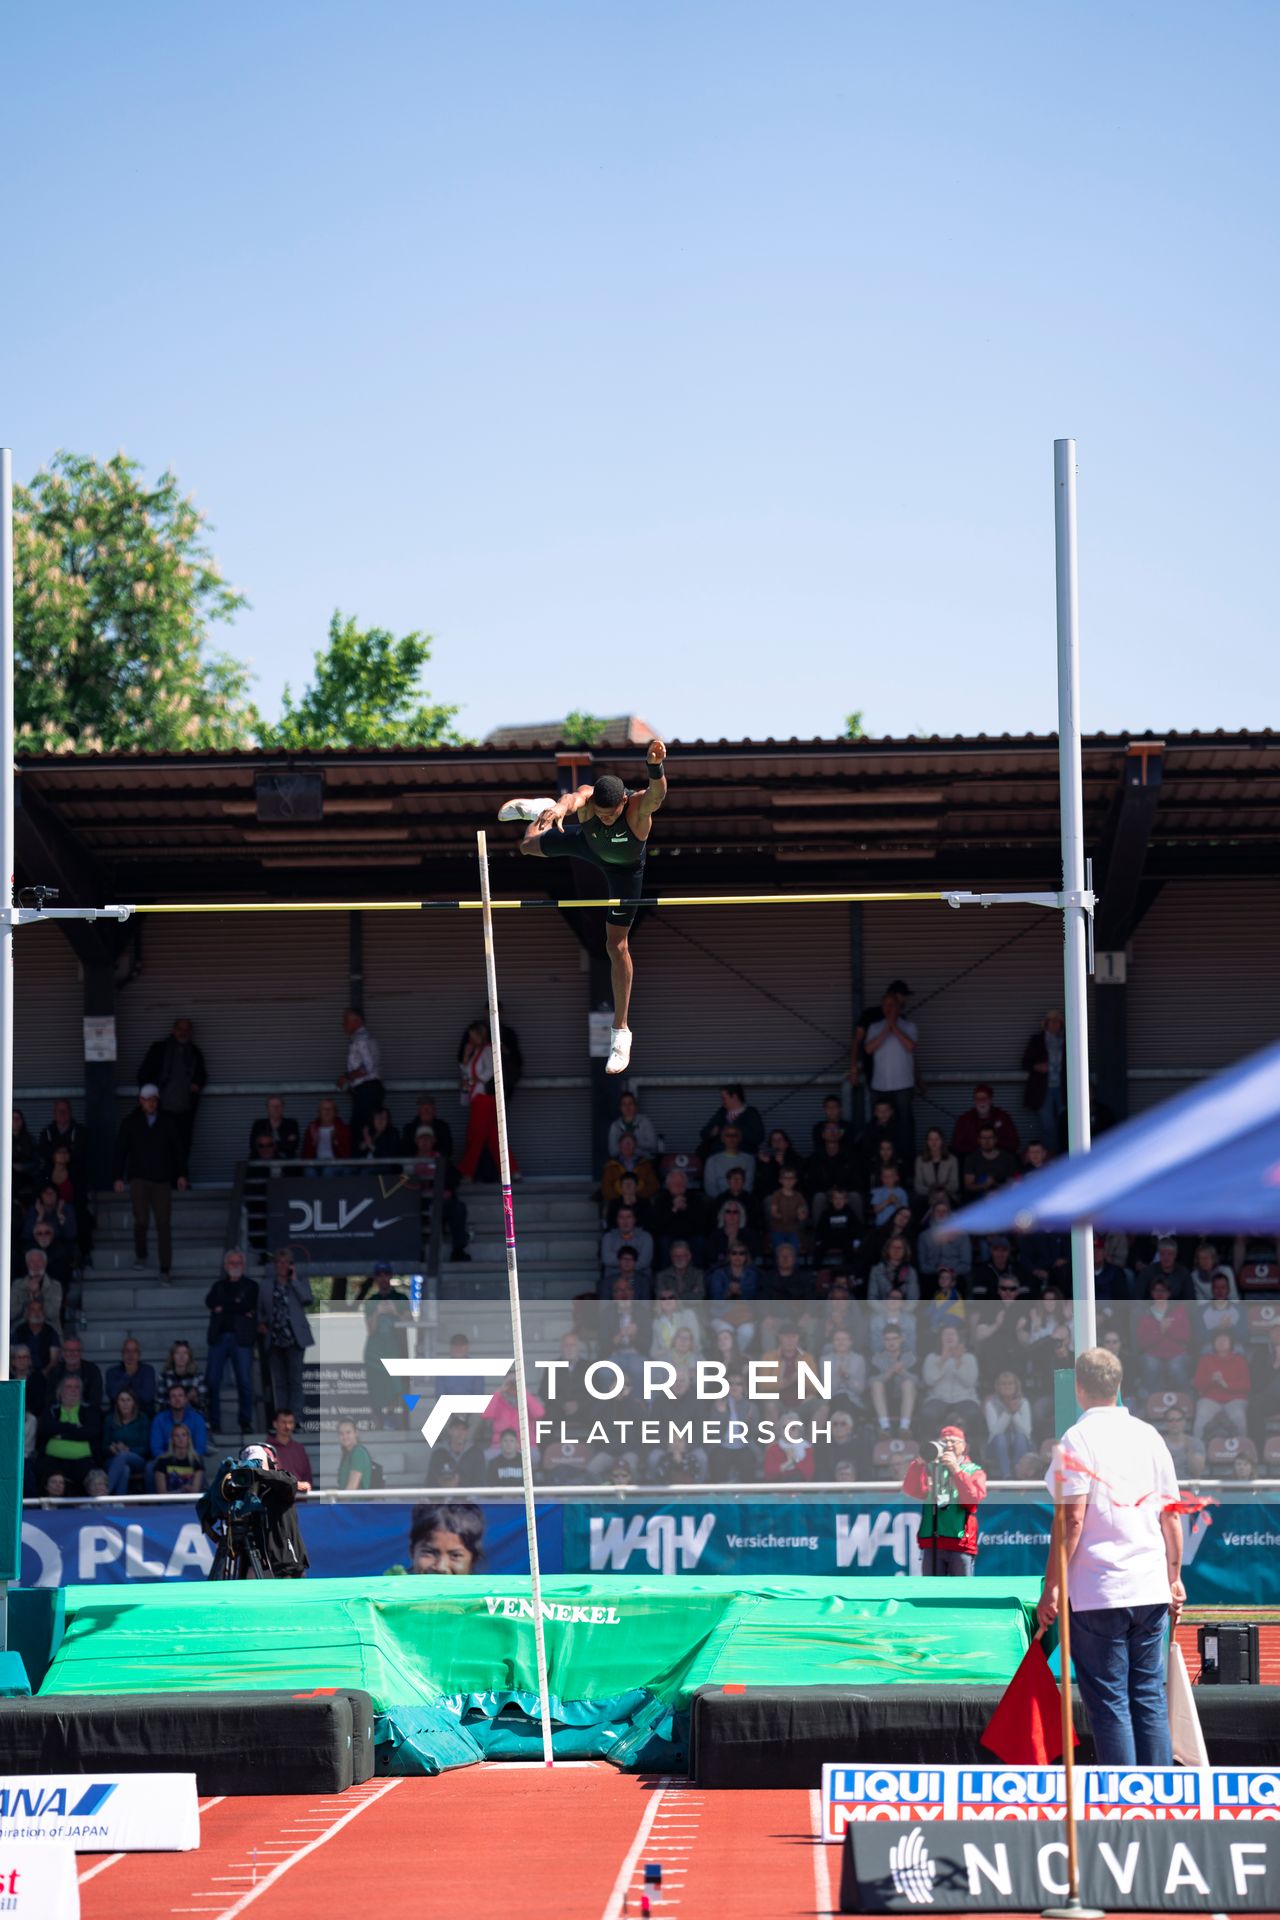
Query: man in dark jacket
69,1434
151,1159
232,1301
282,1304
176,1065
284,1131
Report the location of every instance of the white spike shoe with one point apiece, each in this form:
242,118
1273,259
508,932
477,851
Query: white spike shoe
524,809
619,1050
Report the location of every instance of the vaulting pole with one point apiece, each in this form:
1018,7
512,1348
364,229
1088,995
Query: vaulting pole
1075,913
513,1286
7,863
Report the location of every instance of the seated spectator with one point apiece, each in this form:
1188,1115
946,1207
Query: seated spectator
503,1410
135,1373
681,1276
73,1364
1168,1268
69,1433
735,1279
1045,1065
731,1157
1267,1396
179,1469
506,1469
628,1161
48,1208
679,1215
950,1379
180,1369
456,1451
880,1138
841,1449
789,1282
790,1456
1222,1381
732,1229
937,1248
430,1153
832,1116
887,1195
946,1308
883,1160
966,1137
176,1412
1222,1312
75,1192
990,1167
38,1284
1205,1271
40,1336
893,1385
379,1137
1110,1281
232,1302
669,1317
61,1264
897,1312
733,1111
679,1463
95,1484
1188,1452
627,1234
125,1442
277,1125
426,1115
788,1357
386,1337
894,1271
776,1153
291,1456
936,1170
64,1133
1009,1425
328,1137
993,1330
848,1369
829,1165
787,1212
36,1397
1163,1338
628,1195
53,1484
838,1239
642,1130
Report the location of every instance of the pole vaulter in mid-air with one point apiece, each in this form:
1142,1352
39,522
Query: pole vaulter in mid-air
606,825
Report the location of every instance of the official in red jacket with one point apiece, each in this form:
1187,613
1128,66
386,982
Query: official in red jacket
950,1488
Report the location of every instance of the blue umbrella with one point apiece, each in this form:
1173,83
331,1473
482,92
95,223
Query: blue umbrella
1207,1162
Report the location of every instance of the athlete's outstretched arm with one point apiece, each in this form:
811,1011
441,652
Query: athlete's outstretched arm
656,765
567,804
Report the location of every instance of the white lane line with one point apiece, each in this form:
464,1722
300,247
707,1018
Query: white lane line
300,1853
821,1865
613,1905
206,1806
91,1873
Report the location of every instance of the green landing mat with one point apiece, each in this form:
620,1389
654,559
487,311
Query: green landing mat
450,1663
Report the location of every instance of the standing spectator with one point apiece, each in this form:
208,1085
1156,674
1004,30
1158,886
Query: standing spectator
177,1069
990,1167
151,1160
428,1153
355,1464
1222,1383
282,1304
283,1131
1114,1491
1008,1413
890,1045
859,1064
328,1137
735,1112
482,1106
362,1078
28,1161
69,1433
179,1469
1044,1061
291,1456
950,1379
386,1321
950,1488
176,1412
638,1125
937,1171
136,1374
125,1441
232,1301
983,1113
426,1115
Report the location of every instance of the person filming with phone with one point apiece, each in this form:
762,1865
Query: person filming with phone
950,1486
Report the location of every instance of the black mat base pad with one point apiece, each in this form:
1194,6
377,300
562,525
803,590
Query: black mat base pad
234,1743
782,1736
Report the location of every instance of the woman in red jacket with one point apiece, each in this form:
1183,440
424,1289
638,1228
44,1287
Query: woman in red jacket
482,1107
1222,1385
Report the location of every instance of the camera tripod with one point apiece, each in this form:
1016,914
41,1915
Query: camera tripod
240,1555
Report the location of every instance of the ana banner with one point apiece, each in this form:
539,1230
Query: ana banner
101,1812
347,1217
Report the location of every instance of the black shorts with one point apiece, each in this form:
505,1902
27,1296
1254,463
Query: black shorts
625,883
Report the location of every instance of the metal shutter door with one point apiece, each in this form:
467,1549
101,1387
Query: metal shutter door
48,1017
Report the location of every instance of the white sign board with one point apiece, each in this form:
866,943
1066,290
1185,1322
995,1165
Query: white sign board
864,1791
99,1036
599,1033
100,1812
39,1883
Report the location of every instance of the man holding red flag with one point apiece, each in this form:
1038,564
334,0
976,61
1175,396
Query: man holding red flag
950,1485
1117,1508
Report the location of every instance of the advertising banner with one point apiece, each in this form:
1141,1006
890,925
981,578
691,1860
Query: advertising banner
855,1794
39,1882
64,1546
102,1812
347,1219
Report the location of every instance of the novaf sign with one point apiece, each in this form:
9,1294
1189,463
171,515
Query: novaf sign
1187,1866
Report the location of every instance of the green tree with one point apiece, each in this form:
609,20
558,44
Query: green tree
114,594
582,729
366,691
853,728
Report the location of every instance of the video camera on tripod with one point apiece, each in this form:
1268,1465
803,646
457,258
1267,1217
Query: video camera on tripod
248,1514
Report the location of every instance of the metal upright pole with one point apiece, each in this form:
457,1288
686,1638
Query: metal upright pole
1075,915
7,863
513,1286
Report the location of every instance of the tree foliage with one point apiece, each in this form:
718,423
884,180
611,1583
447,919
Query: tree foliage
366,691
582,729
114,594
853,728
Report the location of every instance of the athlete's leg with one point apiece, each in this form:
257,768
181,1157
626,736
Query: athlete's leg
532,842
622,969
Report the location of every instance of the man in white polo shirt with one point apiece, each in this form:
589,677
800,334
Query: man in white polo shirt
1114,1486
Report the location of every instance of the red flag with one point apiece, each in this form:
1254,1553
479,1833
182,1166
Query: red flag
1026,1728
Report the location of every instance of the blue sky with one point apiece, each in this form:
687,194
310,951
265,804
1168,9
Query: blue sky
698,360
